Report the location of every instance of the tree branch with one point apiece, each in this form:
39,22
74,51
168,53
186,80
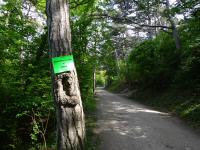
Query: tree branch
166,31
130,21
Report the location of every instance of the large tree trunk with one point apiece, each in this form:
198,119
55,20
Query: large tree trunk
66,92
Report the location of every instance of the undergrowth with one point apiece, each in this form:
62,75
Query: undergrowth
90,111
180,103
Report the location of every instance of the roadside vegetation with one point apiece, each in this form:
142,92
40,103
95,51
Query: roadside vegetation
27,113
165,77
139,46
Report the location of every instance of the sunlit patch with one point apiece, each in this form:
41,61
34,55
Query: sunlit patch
145,110
115,102
122,128
117,118
133,109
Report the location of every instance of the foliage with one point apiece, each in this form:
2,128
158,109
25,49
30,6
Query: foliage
82,30
150,63
26,105
154,62
188,75
181,103
100,78
24,79
163,76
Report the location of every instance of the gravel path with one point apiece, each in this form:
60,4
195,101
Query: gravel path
126,125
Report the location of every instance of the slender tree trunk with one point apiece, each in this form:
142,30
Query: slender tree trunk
174,28
150,32
176,36
66,92
117,60
94,81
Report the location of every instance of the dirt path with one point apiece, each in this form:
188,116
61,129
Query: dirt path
126,125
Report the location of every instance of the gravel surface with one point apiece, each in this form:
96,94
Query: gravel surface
126,125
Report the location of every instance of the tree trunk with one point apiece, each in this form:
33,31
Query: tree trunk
66,92
117,63
150,32
94,81
174,28
176,35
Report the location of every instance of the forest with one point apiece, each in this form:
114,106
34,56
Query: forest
151,48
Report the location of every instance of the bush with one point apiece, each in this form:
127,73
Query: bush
153,63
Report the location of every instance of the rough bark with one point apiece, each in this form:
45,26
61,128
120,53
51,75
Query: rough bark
66,92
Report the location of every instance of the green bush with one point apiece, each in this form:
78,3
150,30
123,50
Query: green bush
100,78
153,63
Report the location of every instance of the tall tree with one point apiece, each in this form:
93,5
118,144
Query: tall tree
66,92
173,26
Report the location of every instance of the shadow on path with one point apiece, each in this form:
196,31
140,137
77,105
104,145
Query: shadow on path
126,125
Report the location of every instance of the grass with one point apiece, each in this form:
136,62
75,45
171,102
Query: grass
117,85
91,138
90,113
181,103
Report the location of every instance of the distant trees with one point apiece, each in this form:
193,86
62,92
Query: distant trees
151,16
157,60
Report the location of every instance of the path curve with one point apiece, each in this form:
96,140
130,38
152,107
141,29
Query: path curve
126,125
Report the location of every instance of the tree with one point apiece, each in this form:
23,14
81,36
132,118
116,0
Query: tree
70,116
173,25
146,16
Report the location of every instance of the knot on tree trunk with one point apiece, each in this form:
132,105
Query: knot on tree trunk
67,89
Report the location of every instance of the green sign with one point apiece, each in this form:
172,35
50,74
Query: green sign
63,64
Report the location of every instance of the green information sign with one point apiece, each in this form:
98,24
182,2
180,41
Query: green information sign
63,64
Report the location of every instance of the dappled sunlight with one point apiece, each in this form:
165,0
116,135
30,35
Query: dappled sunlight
122,128
134,109
117,114
125,124
115,102
100,92
120,107
145,110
